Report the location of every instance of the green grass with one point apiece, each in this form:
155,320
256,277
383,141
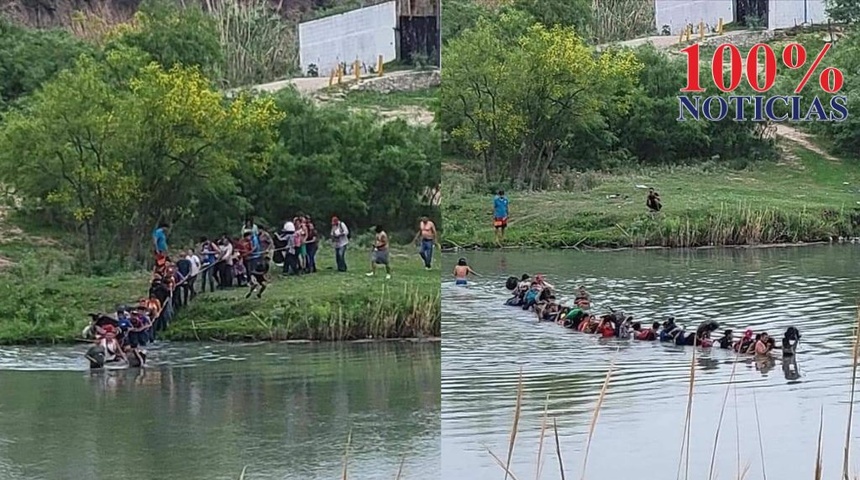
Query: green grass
43,303
425,98
801,199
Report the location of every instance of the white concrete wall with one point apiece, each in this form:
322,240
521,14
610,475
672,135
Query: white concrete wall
361,34
788,13
678,13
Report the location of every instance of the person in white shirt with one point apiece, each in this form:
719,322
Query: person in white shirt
225,276
340,239
196,264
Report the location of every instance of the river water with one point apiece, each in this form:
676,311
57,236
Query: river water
639,432
207,411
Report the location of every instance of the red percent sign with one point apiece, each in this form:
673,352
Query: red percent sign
830,80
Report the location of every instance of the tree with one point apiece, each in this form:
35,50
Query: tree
173,35
844,11
118,160
517,108
28,58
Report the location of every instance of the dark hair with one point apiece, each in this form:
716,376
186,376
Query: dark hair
247,234
501,193
204,239
163,225
378,228
525,277
655,325
637,326
728,332
461,262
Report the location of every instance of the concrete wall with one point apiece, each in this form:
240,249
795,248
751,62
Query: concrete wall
788,13
361,34
678,13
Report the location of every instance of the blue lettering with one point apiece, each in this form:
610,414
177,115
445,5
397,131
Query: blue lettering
706,108
740,103
768,108
817,109
686,103
795,108
758,110
839,104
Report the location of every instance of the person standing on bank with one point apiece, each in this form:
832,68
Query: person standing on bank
380,253
500,216
159,239
340,239
427,234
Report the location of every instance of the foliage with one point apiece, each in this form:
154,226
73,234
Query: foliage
117,160
553,104
517,109
844,136
559,13
258,45
173,35
843,11
29,58
363,170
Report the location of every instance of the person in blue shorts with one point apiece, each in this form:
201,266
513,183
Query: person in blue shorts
461,271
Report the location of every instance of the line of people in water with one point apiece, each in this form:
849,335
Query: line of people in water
538,295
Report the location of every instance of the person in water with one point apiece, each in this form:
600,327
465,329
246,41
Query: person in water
726,340
743,345
461,271
790,341
763,345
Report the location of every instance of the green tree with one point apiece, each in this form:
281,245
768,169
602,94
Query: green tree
118,160
355,166
844,11
517,108
171,34
28,58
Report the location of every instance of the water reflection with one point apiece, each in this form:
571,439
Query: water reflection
485,345
285,411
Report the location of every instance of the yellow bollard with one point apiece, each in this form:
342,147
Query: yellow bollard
331,78
688,32
379,65
701,30
681,37
720,26
339,74
356,69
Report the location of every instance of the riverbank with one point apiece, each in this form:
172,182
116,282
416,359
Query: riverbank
44,304
802,198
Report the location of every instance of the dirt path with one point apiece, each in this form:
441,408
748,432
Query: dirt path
804,140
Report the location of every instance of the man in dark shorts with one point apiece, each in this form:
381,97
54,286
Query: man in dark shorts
380,253
500,216
258,277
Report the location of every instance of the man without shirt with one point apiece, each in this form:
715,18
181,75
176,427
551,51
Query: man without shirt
427,234
380,253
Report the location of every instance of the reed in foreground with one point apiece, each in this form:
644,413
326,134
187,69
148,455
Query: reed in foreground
684,457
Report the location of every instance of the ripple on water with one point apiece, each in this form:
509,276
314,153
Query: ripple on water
485,344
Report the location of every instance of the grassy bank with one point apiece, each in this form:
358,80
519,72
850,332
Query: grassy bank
43,302
803,198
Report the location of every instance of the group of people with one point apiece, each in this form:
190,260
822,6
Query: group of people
537,295
224,263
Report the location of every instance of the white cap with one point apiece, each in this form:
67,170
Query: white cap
289,227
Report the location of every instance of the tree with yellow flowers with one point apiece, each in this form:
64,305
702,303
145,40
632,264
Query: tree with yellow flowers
116,157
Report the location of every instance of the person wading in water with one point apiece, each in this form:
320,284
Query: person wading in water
380,253
427,234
